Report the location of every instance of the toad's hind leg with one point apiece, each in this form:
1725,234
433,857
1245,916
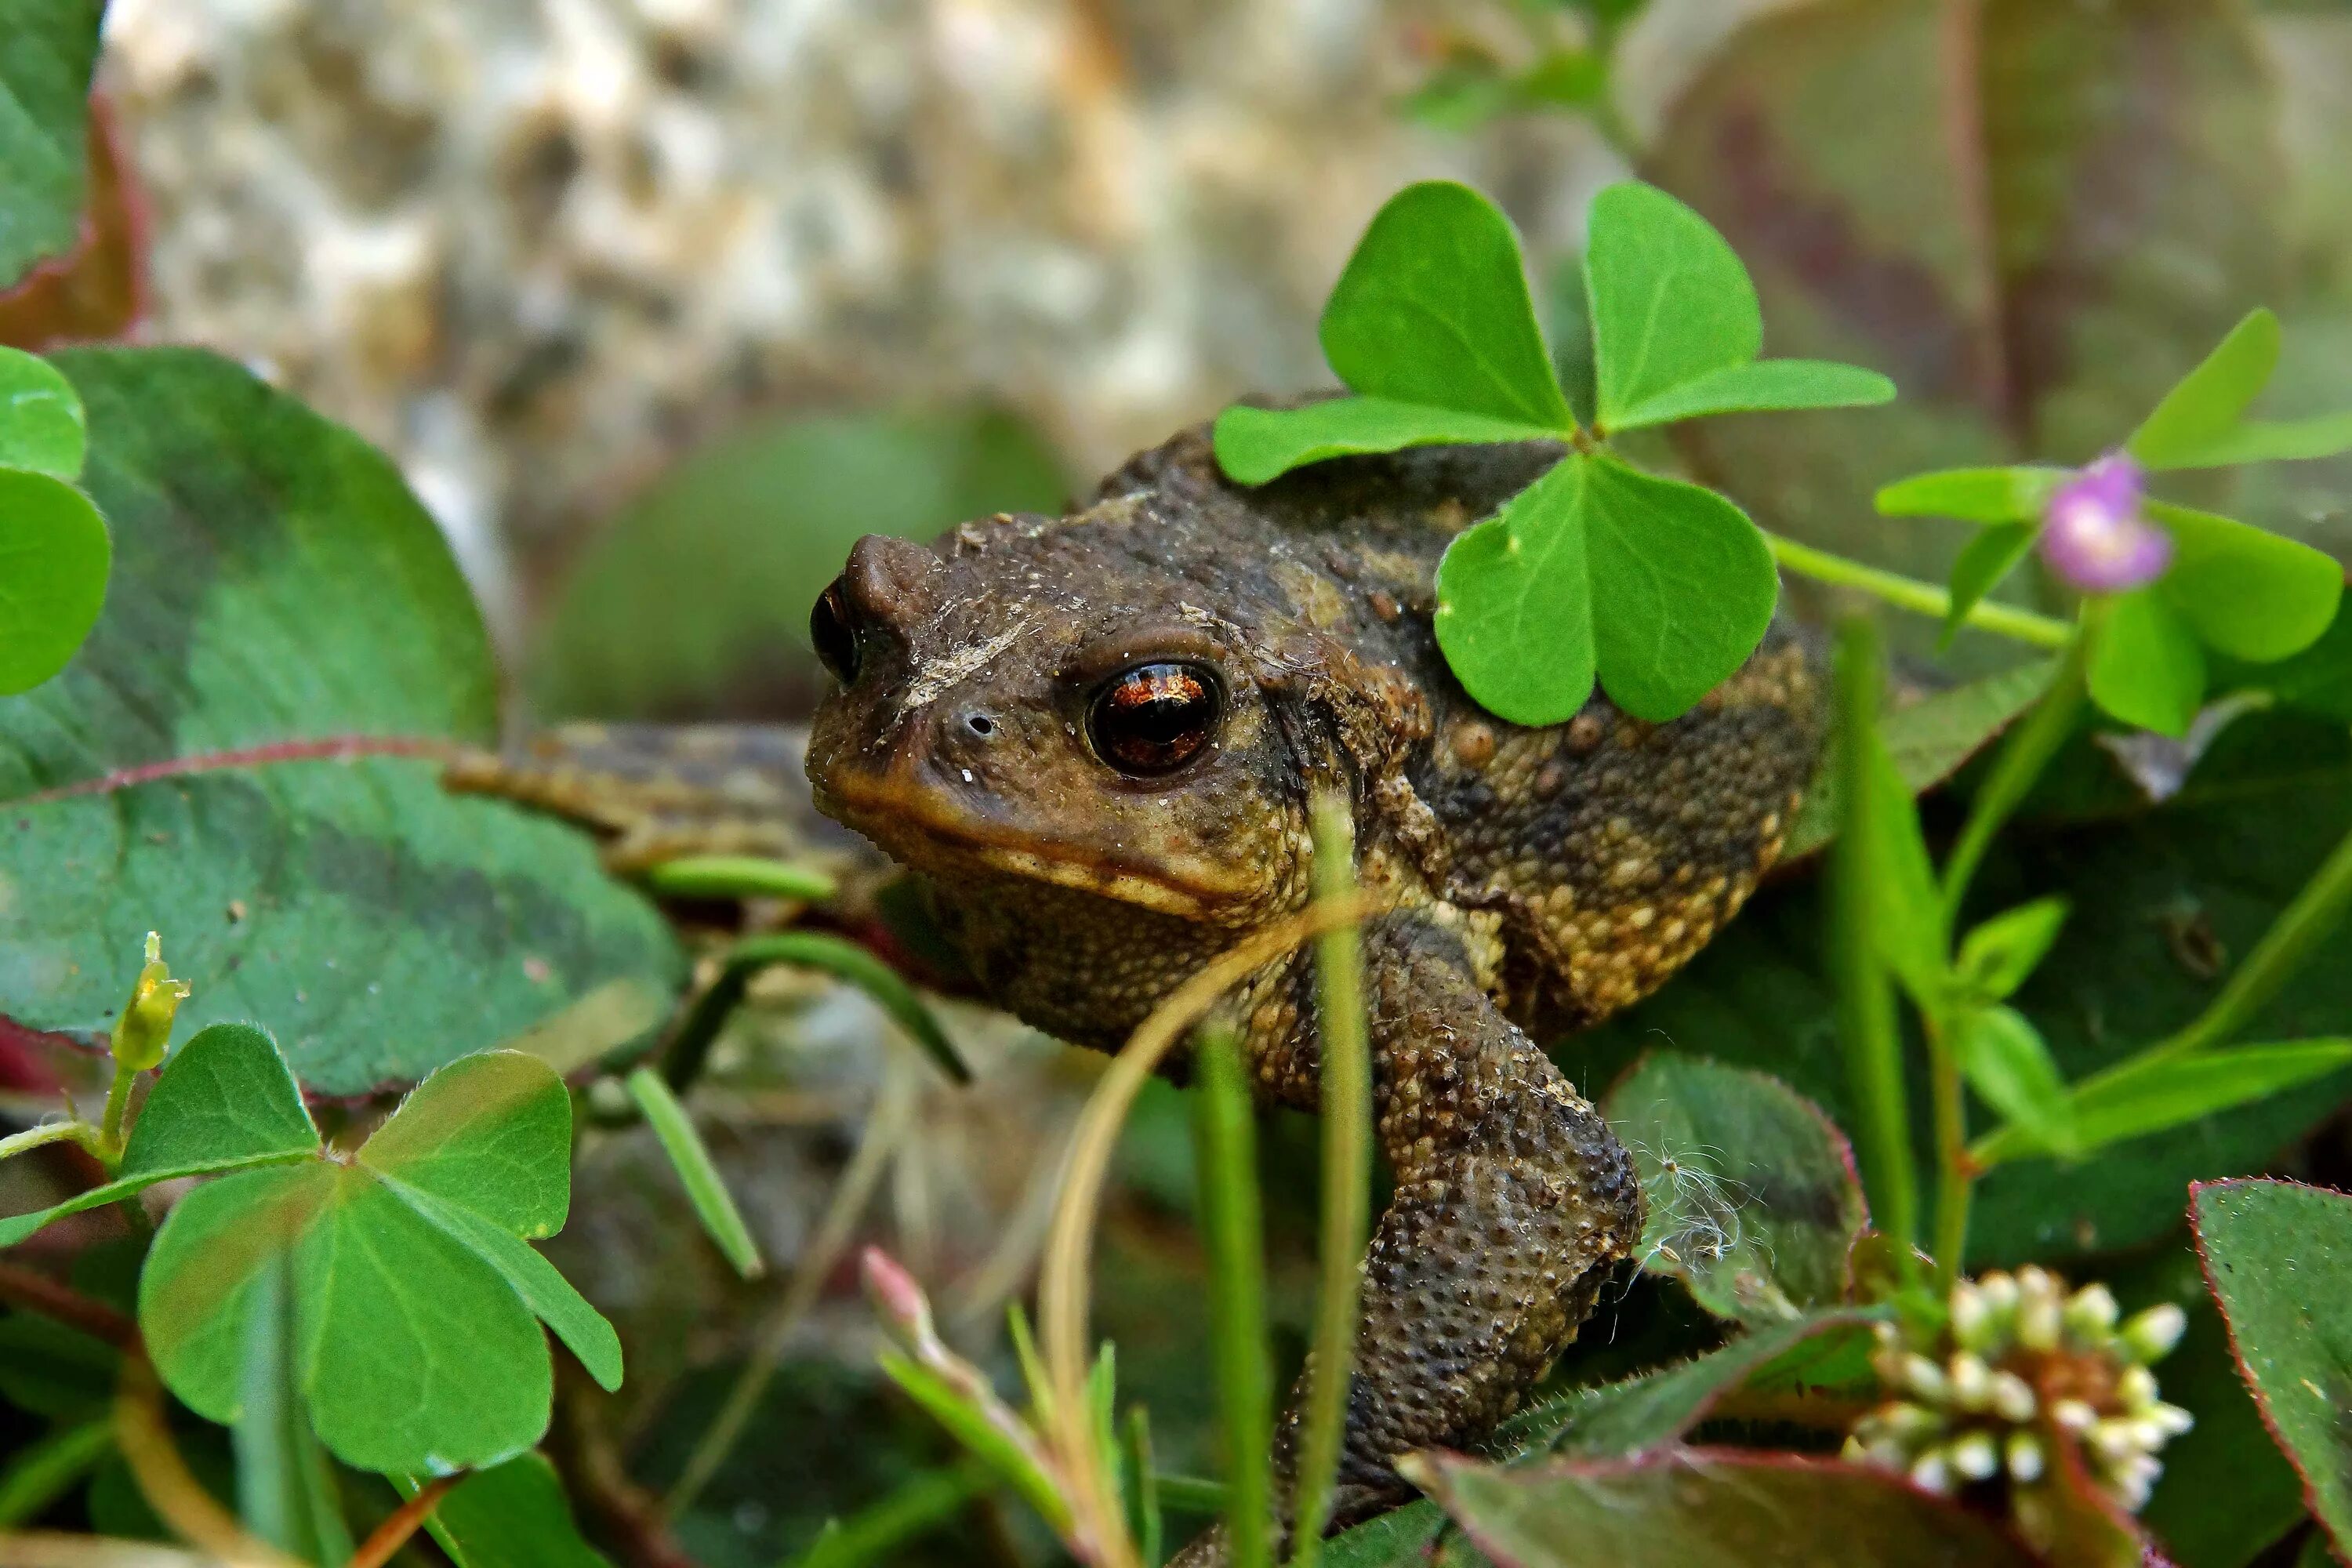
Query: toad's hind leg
1513,1203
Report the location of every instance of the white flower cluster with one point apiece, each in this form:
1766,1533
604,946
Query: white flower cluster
2020,1367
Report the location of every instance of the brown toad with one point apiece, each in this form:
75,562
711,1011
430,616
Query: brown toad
1095,738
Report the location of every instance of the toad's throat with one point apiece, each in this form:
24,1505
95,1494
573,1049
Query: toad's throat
914,825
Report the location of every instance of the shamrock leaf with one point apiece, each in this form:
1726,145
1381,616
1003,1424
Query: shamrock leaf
56,553
2202,422
1660,589
413,1292
2145,667
1676,327
1433,326
41,424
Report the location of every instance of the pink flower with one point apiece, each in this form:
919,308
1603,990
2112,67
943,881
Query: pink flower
2094,536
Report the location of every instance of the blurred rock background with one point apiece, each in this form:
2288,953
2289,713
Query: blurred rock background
661,304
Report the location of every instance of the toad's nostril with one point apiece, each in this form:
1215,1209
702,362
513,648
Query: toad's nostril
980,724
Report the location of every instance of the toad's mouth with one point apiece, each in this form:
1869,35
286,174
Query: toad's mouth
915,827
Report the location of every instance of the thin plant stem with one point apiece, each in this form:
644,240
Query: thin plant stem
1062,1285
1866,992
404,1521
81,1132
21,1287
171,1488
118,1102
2284,949
1225,1140
688,1049
2023,755
1910,593
1955,1172
1192,1494
1345,1118
883,1131
740,877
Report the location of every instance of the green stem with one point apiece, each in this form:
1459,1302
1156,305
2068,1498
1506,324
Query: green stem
739,876
1347,1125
2027,750
1955,1175
2284,949
110,1129
875,1532
690,1047
1866,992
1194,1495
1231,1223
81,1132
1910,593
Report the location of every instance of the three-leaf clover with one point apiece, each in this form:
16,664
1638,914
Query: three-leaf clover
414,1295
1656,588
54,551
2164,583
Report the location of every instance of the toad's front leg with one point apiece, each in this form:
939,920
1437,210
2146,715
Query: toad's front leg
1513,1203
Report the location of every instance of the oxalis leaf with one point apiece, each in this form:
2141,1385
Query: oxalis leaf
1752,1197
1676,327
513,1515
2202,422
413,1292
1708,1505
281,609
40,419
1659,588
54,551
47,49
2278,1259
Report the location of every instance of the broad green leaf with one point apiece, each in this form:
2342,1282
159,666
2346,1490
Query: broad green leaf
491,1132
1973,495
54,546
280,605
1256,444
2278,1258
706,1189
1671,301
47,49
1760,1509
2139,1101
1406,1537
2249,592
1515,602
1997,956
1752,1200
693,602
40,418
1434,309
1643,1412
285,1488
1983,563
2209,401
512,1515
414,1303
224,1101
1928,738
2146,667
1662,588
1762,386
2006,1061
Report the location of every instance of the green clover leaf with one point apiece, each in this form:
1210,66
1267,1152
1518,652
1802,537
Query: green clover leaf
2201,422
41,423
55,553
1658,588
1676,327
414,1294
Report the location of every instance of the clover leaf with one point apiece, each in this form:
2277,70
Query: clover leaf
414,1295
1660,588
1656,588
41,423
2201,422
1676,327
54,551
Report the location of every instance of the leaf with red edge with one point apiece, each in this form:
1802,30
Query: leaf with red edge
1691,1506
2278,1259
233,757
97,290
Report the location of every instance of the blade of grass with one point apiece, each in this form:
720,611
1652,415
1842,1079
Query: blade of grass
1142,1487
689,1046
2024,752
1865,990
915,1509
714,1205
1193,1495
1346,1119
1224,1139
739,876
1061,1289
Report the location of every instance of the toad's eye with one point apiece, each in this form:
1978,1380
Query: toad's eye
1154,718
835,638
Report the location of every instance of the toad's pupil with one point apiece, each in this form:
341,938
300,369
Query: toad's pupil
1155,718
